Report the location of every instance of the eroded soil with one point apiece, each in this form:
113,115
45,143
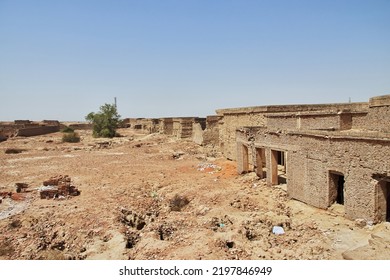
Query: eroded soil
154,197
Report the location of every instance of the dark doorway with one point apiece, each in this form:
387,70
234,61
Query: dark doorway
336,187
383,200
340,189
388,202
281,158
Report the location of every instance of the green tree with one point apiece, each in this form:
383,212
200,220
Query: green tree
105,122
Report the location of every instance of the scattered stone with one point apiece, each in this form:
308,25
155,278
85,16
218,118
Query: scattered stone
14,151
132,219
165,231
360,223
178,155
132,238
211,168
58,187
21,187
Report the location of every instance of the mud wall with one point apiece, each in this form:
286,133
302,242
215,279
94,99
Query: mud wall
312,157
81,126
231,119
211,133
40,130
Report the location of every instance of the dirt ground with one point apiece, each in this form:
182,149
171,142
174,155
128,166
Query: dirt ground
151,197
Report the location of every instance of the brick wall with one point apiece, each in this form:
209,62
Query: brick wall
312,155
231,119
40,130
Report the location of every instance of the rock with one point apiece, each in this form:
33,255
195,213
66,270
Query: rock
177,155
58,186
360,223
21,187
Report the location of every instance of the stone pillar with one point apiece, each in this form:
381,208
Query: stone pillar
273,168
242,158
260,160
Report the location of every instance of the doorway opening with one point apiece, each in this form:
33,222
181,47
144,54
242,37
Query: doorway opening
278,167
383,200
336,187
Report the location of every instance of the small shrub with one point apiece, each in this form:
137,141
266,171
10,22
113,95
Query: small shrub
178,202
71,137
67,129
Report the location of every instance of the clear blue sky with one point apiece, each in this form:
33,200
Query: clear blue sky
63,59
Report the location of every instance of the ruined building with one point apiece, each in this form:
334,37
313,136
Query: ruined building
331,153
325,153
27,128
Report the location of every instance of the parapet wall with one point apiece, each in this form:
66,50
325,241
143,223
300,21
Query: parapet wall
81,126
315,116
27,128
40,130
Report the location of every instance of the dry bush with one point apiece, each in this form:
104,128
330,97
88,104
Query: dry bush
71,137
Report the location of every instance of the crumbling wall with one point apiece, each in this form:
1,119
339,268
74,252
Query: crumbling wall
185,130
211,133
312,155
8,130
166,125
146,125
197,134
378,117
27,128
231,119
81,126
39,130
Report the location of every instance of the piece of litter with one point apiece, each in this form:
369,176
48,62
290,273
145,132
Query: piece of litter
278,230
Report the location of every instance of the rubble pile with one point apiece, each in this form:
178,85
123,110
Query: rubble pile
58,186
209,167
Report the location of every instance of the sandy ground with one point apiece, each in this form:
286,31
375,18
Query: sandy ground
153,197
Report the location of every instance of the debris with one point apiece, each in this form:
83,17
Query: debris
278,230
209,167
5,194
165,231
360,223
132,238
57,180
220,223
132,219
58,187
21,187
178,202
177,155
14,151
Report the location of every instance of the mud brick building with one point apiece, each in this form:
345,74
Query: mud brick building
27,128
331,153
